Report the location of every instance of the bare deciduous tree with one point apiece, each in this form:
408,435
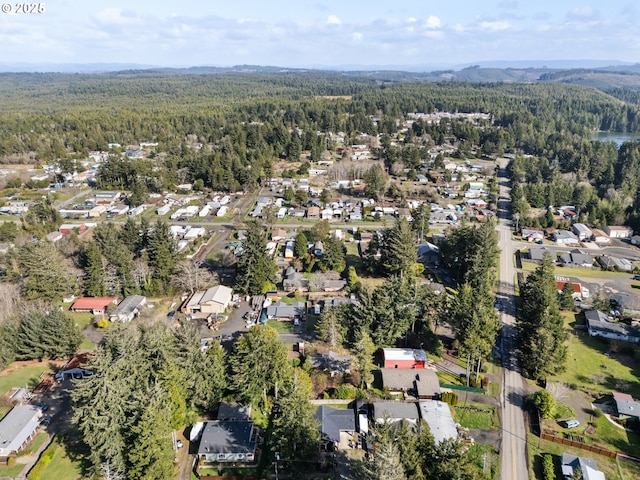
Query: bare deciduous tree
193,276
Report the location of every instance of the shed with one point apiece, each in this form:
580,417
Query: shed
213,300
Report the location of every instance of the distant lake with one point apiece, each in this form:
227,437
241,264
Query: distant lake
618,138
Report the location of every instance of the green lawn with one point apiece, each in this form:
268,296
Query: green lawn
10,471
578,272
61,467
281,327
83,319
290,300
476,415
22,376
536,447
35,444
589,369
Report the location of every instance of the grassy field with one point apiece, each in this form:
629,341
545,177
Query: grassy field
10,472
83,319
34,445
476,415
18,375
612,471
281,327
588,368
578,272
61,467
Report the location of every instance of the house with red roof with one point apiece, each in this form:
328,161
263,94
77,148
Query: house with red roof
95,305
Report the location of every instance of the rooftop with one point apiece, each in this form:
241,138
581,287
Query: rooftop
227,437
17,426
438,416
404,354
333,421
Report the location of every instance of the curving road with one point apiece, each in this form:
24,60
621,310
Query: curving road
514,436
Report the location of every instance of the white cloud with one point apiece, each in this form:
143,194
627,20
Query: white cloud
116,17
334,20
495,26
433,22
357,36
582,13
411,20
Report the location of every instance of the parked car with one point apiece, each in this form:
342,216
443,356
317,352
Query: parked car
569,423
45,421
636,277
179,443
42,406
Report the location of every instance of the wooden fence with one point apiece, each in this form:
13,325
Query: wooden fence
583,446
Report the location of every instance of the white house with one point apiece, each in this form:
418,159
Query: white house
214,300
619,231
17,428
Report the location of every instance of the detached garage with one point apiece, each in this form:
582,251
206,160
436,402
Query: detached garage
215,300
403,358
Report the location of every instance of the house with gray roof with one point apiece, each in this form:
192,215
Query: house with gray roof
17,428
128,309
571,464
582,231
628,304
228,442
285,311
332,362
537,254
600,325
576,258
234,412
625,404
422,383
565,237
337,427
396,412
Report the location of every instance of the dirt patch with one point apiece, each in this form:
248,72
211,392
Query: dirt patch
19,365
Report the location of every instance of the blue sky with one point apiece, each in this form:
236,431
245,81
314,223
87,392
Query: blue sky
320,32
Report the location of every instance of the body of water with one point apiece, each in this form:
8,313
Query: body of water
618,138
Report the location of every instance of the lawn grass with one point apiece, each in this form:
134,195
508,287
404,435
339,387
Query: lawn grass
578,272
281,327
588,369
10,472
290,300
61,467
476,416
83,319
33,447
17,375
537,447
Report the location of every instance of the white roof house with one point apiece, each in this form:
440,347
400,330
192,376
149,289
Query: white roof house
17,428
213,300
438,415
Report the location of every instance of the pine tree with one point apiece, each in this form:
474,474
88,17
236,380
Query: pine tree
301,245
540,326
363,351
332,255
386,464
256,270
151,455
330,326
399,251
295,430
94,281
258,362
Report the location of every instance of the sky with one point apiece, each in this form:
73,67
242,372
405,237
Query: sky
319,33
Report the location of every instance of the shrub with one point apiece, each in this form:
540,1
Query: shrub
102,323
450,398
11,461
545,403
345,392
548,468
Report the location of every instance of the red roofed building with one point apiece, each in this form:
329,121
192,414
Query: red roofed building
577,289
95,305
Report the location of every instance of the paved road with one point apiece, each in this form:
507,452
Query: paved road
513,457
